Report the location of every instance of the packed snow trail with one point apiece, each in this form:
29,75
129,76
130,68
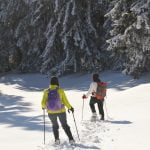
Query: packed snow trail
91,138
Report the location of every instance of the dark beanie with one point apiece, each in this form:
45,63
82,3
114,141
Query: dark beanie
54,81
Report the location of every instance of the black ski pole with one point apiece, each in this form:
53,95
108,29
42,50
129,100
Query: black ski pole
82,108
75,126
44,123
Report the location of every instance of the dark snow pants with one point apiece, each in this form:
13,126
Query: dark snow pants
100,103
63,120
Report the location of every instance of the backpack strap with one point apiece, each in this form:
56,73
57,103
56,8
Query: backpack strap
53,89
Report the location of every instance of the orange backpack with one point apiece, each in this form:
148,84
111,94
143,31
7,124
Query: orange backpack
101,90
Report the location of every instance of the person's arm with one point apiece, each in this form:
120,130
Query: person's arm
65,100
44,99
93,88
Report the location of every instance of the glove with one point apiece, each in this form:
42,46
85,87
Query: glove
71,109
84,96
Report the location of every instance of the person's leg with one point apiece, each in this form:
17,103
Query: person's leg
92,106
63,121
55,126
101,109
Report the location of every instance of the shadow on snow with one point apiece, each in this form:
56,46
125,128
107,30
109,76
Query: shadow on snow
10,113
26,82
78,82
123,122
87,147
118,81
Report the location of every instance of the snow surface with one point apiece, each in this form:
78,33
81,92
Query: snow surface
127,111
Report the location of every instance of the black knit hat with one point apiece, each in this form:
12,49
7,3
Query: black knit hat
54,81
96,77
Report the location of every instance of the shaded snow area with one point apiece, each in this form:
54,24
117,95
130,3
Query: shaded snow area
126,112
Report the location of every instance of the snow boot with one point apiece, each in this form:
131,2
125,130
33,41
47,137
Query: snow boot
93,117
57,141
72,142
102,118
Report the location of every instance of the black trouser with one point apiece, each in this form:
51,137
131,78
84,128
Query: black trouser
63,120
93,100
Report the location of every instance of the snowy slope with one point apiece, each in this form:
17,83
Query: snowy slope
127,111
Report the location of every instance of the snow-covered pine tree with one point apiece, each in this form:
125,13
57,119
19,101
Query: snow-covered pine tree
11,12
74,36
30,34
130,36
69,35
53,35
